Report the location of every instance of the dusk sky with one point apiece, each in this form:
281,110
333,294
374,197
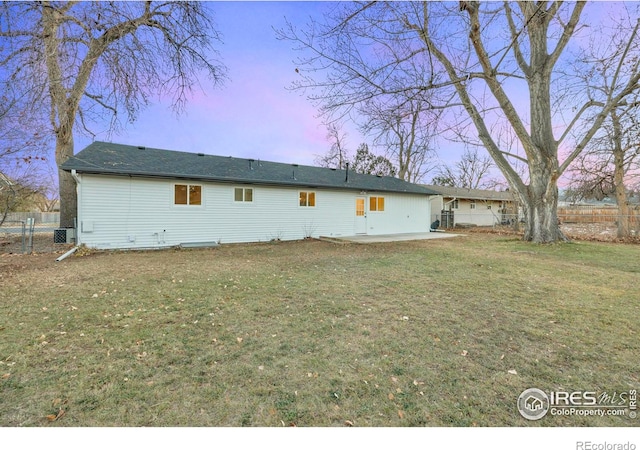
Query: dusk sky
253,114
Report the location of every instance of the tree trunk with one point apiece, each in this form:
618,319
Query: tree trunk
624,211
540,205
618,177
541,221
67,184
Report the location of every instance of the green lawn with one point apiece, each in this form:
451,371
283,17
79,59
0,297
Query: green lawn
443,332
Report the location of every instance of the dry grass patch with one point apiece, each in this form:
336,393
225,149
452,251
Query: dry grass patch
315,334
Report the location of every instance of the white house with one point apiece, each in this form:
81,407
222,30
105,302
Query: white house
137,197
461,206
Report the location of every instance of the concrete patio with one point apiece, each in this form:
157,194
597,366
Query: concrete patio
368,239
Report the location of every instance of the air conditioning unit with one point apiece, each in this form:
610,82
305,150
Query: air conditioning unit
64,236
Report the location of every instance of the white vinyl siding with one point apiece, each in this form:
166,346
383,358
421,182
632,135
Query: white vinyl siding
133,212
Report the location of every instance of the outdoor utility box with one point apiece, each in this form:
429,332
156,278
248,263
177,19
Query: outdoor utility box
64,236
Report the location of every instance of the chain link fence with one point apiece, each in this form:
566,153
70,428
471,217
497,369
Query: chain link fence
29,233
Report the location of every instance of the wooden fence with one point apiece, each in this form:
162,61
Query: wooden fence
40,217
595,214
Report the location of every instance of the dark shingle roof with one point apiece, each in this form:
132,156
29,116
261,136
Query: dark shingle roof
118,159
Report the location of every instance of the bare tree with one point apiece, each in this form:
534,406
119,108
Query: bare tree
610,164
405,132
22,134
23,145
23,191
491,63
338,155
611,159
7,197
83,61
471,171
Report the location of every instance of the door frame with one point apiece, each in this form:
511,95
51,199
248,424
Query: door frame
360,223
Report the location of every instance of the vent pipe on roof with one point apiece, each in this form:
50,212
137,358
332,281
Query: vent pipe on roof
250,164
346,174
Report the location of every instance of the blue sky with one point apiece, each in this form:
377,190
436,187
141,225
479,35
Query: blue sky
253,114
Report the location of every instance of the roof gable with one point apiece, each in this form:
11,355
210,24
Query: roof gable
117,159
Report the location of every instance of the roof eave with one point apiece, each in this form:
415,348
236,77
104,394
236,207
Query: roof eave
291,183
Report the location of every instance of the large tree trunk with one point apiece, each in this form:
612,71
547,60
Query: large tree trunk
66,182
540,205
624,211
618,178
541,219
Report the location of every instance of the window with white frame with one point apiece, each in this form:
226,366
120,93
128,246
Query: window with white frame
376,204
187,194
307,199
243,195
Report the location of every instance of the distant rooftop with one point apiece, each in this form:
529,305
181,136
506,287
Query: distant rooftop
472,194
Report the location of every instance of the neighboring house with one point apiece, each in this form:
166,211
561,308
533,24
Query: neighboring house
461,206
137,197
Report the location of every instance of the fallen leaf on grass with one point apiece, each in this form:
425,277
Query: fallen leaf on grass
464,353
512,372
348,423
5,376
391,396
54,417
401,414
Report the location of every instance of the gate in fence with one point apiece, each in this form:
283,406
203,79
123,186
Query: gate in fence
446,218
23,228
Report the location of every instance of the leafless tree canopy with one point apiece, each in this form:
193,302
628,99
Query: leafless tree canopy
472,171
111,58
103,61
338,154
492,66
405,133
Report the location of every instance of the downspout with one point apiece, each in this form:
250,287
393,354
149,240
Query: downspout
449,202
74,174
69,253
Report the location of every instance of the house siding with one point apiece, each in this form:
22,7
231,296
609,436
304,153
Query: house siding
136,212
480,216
